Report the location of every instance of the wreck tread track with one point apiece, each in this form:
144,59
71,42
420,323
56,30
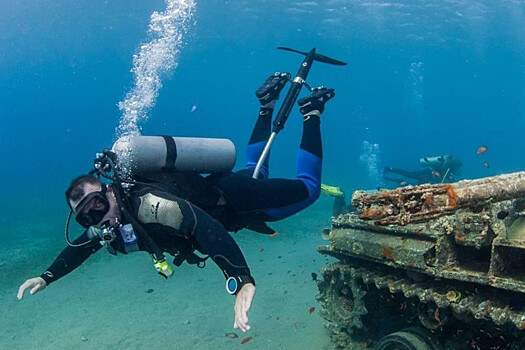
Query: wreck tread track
344,288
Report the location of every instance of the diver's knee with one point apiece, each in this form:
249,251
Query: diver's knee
315,193
313,188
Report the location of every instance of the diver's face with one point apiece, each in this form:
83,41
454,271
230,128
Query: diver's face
96,206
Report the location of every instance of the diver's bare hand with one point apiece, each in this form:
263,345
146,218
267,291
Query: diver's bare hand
243,302
36,284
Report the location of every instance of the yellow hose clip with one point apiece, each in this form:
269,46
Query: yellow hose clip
163,268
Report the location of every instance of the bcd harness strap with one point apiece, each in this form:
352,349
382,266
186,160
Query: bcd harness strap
171,153
153,249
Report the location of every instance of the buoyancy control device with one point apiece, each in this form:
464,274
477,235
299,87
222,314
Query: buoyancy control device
183,157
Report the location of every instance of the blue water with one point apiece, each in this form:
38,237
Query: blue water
423,78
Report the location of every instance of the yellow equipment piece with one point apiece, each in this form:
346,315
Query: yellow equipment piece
163,268
333,191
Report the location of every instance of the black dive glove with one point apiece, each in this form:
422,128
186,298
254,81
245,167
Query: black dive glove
269,91
316,101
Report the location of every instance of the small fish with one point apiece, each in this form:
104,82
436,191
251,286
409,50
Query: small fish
274,234
231,335
482,149
261,250
311,310
245,340
149,291
486,165
193,108
436,173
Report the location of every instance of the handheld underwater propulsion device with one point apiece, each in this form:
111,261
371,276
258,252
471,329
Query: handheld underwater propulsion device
291,96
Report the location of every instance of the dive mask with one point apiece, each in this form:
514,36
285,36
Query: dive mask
92,209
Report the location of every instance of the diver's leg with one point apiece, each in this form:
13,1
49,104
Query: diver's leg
310,153
305,190
260,135
309,159
397,181
416,175
421,176
276,199
268,94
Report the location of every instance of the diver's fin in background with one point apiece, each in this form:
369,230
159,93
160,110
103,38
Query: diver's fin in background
317,57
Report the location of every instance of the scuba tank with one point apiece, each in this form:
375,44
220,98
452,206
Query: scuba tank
149,154
431,161
444,161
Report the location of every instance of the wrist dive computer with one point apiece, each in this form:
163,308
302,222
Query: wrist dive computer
235,283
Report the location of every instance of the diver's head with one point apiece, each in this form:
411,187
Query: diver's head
91,201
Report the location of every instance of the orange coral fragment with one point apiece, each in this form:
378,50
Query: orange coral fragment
452,196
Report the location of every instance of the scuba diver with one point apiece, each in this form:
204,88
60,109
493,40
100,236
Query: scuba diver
183,213
439,169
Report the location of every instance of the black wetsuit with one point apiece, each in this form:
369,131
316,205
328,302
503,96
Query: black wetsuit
190,212
175,225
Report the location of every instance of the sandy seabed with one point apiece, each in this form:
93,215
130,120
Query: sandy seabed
107,303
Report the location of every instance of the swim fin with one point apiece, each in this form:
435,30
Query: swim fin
332,191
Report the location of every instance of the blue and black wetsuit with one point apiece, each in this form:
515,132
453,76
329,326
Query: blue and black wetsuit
265,199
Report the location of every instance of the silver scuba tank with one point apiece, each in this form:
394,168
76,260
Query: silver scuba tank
432,162
185,154
445,161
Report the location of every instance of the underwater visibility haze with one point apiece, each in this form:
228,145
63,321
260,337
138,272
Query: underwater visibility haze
424,78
